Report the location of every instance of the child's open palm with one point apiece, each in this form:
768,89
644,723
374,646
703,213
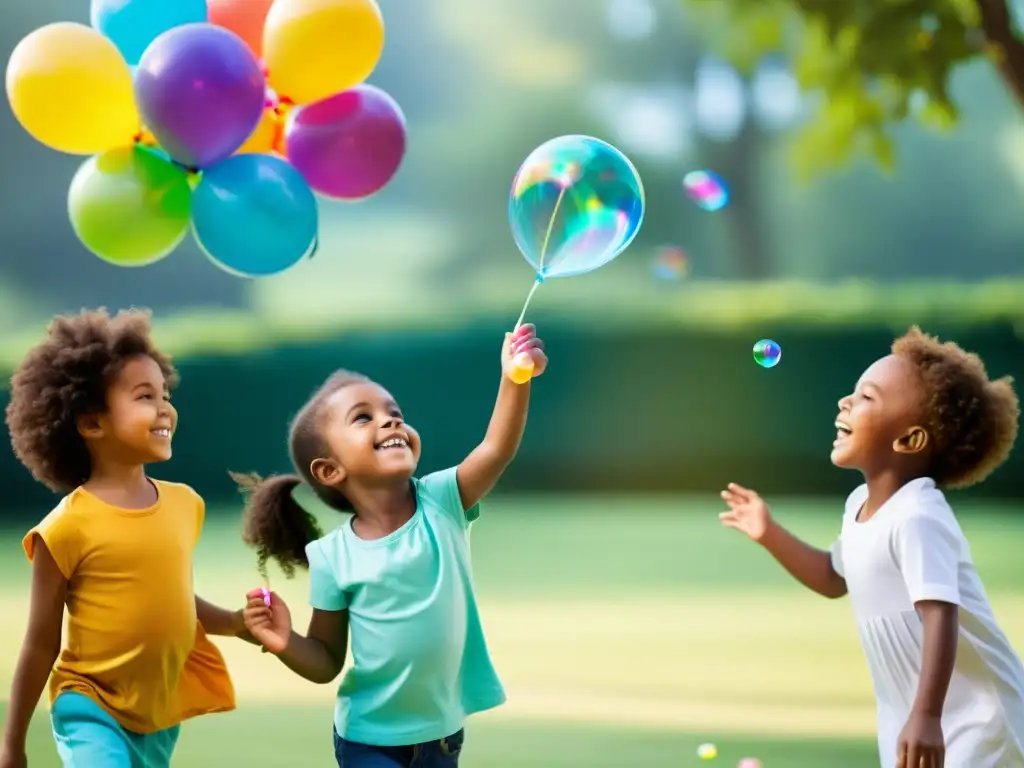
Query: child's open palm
270,625
747,513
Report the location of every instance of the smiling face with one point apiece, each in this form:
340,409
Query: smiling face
140,420
879,423
367,436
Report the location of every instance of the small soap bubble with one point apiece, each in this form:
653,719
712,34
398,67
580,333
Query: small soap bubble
706,189
671,263
767,353
749,762
707,751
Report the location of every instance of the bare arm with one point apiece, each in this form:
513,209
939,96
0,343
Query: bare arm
484,466
319,655
941,631
480,471
222,622
809,565
40,648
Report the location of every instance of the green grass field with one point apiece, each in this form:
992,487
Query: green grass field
627,632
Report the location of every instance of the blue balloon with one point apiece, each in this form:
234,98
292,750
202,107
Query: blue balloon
132,25
254,215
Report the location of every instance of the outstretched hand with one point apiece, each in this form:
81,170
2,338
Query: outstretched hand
270,625
524,341
748,513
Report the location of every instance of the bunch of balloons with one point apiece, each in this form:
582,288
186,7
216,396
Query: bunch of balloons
223,116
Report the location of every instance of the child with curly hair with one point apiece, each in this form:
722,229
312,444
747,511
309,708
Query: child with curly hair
396,576
949,687
90,408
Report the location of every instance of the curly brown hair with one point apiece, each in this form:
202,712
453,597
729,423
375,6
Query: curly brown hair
67,377
971,419
274,523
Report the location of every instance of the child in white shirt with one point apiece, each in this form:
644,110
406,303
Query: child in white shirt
949,687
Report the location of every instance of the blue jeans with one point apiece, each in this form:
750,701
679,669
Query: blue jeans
443,753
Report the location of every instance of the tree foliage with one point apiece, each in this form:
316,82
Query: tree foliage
871,64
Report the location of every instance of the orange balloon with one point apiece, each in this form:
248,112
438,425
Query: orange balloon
243,17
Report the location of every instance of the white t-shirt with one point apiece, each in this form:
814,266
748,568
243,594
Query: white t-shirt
911,550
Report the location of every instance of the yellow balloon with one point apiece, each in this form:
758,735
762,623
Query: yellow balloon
317,48
268,136
71,89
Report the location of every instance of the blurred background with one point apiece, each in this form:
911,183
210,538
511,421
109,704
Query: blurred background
874,157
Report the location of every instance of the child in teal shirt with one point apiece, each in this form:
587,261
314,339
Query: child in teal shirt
396,576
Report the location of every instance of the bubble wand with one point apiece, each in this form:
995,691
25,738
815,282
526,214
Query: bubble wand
522,365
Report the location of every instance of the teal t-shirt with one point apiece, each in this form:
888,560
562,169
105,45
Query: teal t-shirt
419,662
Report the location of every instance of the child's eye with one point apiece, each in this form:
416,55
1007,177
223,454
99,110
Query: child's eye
397,414
363,417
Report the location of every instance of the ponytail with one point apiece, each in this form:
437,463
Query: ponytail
274,523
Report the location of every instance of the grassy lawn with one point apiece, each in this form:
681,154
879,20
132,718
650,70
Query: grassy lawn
627,632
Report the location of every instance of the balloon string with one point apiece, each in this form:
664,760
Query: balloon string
529,296
543,254
551,226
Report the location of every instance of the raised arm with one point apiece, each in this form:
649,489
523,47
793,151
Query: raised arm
812,567
484,466
816,569
38,651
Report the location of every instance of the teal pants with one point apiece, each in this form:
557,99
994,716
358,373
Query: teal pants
88,737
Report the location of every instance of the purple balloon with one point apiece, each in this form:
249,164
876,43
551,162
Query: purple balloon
349,145
200,90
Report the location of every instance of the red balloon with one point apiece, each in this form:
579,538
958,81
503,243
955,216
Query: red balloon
243,17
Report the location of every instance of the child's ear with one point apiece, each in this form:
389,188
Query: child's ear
327,472
90,426
914,440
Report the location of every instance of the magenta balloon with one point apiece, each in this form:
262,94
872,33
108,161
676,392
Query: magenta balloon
201,91
347,146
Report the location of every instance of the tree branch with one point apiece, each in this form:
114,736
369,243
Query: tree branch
1009,56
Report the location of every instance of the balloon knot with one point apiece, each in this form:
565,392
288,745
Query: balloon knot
282,109
540,278
146,139
191,170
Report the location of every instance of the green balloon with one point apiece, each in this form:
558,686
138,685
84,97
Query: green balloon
130,206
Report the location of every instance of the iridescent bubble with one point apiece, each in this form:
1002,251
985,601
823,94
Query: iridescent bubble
706,189
749,762
576,203
671,263
767,353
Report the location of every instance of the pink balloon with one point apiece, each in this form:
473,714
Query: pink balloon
349,145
